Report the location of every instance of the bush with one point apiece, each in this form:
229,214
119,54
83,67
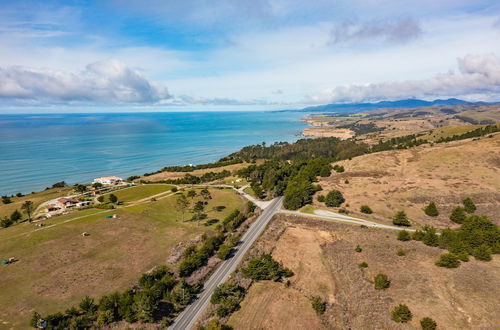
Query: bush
321,198
400,219
16,216
404,236
346,181
469,205
428,324
401,252
448,260
224,251
381,282
363,265
458,215
358,249
334,198
318,305
401,314
431,210
430,237
338,168
365,209
482,253
265,268
174,190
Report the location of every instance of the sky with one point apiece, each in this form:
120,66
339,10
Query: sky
152,55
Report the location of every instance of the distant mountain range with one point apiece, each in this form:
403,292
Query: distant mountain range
408,103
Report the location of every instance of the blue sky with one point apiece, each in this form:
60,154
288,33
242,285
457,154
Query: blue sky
241,55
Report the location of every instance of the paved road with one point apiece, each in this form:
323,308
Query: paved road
328,215
188,317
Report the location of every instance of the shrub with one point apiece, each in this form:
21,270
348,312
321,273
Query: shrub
430,237
400,219
321,198
338,168
112,198
401,314
224,251
428,324
105,317
469,205
174,189
448,260
15,216
358,249
88,306
366,209
431,210
346,181
265,268
363,265
458,214
401,252
334,198
381,282
482,253
404,236
318,305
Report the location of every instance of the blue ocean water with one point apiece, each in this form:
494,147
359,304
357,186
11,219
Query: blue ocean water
39,150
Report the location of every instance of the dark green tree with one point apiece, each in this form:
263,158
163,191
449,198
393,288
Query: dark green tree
28,208
458,214
400,219
448,260
112,198
15,216
401,314
469,205
365,209
428,324
431,210
100,199
334,198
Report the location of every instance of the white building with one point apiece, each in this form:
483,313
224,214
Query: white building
108,180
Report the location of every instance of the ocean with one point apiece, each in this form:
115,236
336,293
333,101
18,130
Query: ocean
39,150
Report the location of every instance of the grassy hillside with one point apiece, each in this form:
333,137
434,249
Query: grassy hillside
323,258
57,266
409,179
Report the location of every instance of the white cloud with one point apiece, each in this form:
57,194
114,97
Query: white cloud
107,81
478,75
392,31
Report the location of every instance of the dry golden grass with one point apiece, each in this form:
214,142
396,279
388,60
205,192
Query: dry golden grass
462,298
409,179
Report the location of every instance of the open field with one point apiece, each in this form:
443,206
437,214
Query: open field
57,266
37,199
322,256
178,175
409,179
137,193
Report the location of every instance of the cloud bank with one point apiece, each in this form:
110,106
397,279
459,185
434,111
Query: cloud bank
396,31
477,75
107,81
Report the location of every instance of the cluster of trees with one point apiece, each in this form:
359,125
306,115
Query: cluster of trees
328,147
459,213
158,296
265,268
188,168
481,131
403,142
477,236
195,257
227,297
361,129
193,179
16,216
233,221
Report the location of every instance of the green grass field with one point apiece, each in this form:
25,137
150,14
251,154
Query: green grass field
449,131
57,266
136,193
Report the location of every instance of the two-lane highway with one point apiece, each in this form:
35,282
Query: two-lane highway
189,316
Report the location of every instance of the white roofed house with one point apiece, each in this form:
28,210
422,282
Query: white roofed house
108,180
